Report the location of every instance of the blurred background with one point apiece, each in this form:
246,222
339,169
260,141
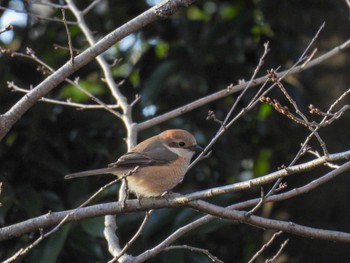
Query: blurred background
200,50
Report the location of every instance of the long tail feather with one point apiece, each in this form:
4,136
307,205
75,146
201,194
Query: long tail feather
89,173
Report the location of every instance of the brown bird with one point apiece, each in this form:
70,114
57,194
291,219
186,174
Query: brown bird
155,165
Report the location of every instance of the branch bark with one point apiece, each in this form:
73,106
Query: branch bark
147,204
231,90
165,9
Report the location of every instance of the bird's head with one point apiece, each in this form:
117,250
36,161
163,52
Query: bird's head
180,142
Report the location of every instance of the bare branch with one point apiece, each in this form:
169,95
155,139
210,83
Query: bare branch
148,204
39,17
259,205
100,104
241,86
265,246
208,218
224,125
283,245
0,192
91,6
5,29
284,110
68,36
348,3
57,6
265,223
196,249
8,119
134,238
23,251
264,179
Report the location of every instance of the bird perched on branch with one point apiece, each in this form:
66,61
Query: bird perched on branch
155,165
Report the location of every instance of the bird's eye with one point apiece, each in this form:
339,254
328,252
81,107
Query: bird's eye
182,144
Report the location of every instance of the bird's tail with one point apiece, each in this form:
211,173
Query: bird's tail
88,173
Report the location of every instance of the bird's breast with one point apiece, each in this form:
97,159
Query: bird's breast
155,180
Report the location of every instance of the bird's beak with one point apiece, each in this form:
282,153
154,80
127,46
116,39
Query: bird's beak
196,148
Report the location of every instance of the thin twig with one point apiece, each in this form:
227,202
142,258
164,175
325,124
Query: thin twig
208,218
329,164
39,17
273,76
91,6
348,3
259,205
256,70
224,125
6,28
53,5
134,238
31,55
309,58
196,249
23,251
68,36
69,103
283,245
21,228
0,192
271,177
265,246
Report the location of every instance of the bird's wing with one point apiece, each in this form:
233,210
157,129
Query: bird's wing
150,156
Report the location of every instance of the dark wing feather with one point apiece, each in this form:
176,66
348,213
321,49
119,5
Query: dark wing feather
149,156
152,154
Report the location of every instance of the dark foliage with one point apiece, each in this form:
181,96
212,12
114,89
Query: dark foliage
198,51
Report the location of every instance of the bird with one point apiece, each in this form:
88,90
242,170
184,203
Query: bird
154,166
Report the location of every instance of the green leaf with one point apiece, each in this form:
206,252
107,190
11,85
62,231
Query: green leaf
229,12
264,111
262,164
11,138
135,78
194,13
71,92
161,49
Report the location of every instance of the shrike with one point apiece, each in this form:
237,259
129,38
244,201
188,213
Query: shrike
155,165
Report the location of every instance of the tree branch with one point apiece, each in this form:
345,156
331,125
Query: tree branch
8,119
147,204
234,89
